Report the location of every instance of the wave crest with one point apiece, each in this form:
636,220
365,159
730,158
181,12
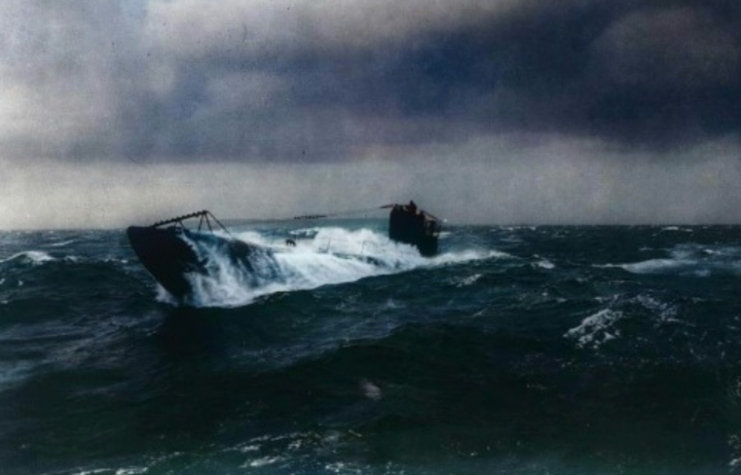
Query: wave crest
321,256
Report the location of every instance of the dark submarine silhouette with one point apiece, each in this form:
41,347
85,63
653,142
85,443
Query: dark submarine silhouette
167,248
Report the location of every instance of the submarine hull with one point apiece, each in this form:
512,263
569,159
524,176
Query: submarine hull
166,255
174,254
418,229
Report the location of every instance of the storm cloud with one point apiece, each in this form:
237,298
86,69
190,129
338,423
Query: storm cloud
570,111
328,79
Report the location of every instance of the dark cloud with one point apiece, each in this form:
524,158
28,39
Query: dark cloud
328,80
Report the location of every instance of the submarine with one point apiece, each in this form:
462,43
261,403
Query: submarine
174,254
410,225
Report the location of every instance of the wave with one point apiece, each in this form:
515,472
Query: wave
320,256
690,260
596,329
544,264
62,243
676,229
14,373
467,281
40,261
29,257
631,318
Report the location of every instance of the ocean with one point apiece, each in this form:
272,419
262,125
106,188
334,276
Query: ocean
518,350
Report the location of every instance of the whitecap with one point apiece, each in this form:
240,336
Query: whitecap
470,280
690,260
94,471
596,329
304,232
62,243
654,265
261,462
370,390
332,256
131,471
545,264
14,373
32,257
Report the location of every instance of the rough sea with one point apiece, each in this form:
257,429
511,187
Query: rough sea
518,350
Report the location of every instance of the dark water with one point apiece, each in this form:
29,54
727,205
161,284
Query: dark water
547,350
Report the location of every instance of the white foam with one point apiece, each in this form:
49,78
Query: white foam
164,296
734,441
680,259
95,471
33,257
305,232
132,471
249,448
332,256
666,312
261,462
370,390
115,471
654,265
470,280
596,329
545,264
688,259
13,373
63,243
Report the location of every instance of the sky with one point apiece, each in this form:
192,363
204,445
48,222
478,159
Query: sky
482,111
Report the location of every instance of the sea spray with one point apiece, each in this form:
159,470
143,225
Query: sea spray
319,256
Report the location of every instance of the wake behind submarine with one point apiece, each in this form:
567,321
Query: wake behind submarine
169,250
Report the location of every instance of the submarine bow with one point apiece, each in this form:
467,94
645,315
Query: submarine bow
166,255
174,254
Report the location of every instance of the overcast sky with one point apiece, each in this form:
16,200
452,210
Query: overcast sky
494,111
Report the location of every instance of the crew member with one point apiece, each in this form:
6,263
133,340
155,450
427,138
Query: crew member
412,207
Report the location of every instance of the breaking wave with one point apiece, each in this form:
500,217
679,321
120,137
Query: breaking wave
316,257
689,260
29,257
596,329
